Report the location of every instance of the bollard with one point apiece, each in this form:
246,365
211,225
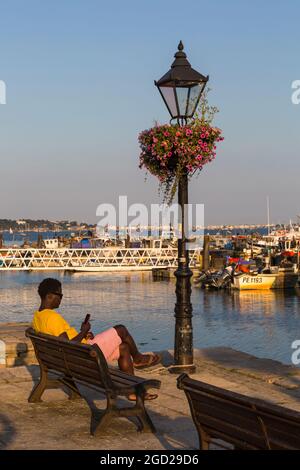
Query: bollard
205,256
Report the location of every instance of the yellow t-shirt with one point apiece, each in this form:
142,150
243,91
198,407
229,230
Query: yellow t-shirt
52,323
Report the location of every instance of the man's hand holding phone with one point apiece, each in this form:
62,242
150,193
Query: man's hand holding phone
89,335
86,326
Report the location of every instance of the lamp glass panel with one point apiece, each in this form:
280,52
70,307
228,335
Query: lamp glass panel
182,98
169,96
193,99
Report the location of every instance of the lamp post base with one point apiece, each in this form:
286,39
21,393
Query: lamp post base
178,369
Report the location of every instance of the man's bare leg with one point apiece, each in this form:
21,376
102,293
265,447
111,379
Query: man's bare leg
126,365
138,358
125,360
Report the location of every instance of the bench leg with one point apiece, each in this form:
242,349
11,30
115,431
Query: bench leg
38,389
101,419
72,390
74,395
204,445
203,440
146,424
99,422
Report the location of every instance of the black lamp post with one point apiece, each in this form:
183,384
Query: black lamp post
181,89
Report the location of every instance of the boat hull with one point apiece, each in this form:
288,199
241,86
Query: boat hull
257,282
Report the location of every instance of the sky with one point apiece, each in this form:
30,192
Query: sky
79,78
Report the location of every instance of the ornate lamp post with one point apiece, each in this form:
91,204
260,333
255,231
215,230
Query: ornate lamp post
181,89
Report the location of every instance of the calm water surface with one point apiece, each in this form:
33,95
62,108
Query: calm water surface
261,323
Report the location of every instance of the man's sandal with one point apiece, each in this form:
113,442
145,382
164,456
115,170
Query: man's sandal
152,361
148,396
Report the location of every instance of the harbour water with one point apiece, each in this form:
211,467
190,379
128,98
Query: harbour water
262,323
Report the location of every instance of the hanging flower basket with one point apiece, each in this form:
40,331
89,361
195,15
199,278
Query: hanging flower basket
169,151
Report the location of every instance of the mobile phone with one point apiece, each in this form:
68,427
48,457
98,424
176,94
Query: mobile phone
87,318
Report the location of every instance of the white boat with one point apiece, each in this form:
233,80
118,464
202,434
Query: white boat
254,281
275,278
51,243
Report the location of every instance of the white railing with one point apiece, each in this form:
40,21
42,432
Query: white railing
90,259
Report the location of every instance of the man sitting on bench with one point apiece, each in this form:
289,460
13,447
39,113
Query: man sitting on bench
116,343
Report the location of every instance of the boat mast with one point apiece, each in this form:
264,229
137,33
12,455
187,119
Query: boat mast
268,209
269,249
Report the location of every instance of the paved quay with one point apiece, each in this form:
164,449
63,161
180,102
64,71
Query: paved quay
15,348
58,423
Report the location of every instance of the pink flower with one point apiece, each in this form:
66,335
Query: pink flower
188,132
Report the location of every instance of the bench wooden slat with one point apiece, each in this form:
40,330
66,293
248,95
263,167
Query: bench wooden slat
125,381
59,365
88,363
52,359
73,368
52,366
57,349
281,433
86,380
51,352
243,445
97,387
225,412
231,430
223,404
117,378
54,341
120,374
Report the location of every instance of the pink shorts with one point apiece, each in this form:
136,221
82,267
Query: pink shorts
109,342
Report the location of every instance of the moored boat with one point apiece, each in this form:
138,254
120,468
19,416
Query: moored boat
274,279
245,281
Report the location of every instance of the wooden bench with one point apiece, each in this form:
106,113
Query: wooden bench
77,363
244,422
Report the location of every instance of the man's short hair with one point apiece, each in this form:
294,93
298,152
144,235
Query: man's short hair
47,286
